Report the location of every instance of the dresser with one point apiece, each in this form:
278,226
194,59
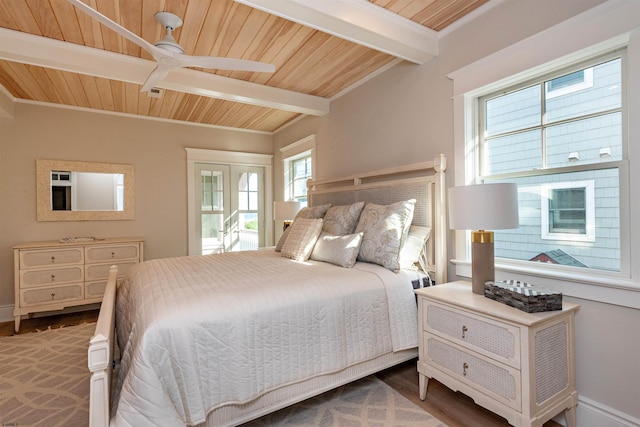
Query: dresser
516,364
52,275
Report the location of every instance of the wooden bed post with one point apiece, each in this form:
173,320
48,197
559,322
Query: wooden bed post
100,356
440,166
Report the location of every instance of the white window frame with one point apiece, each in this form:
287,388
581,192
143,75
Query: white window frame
590,211
304,147
537,55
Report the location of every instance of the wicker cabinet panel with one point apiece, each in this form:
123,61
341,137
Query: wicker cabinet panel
495,379
495,339
52,295
101,271
52,276
51,258
111,253
94,289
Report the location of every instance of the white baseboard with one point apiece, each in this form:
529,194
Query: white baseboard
594,414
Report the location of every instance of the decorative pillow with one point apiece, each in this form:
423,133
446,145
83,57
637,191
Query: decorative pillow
282,239
301,239
342,220
413,246
313,211
338,250
384,227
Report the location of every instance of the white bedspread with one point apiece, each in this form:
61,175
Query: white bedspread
200,332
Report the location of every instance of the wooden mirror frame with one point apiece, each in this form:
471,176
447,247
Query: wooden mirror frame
43,191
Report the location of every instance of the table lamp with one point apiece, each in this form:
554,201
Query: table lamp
285,211
480,208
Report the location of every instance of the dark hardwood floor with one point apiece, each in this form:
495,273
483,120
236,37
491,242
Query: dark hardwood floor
452,408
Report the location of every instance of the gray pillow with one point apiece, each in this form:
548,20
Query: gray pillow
313,211
338,250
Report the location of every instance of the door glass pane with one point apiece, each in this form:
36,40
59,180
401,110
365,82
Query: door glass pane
248,231
212,190
212,233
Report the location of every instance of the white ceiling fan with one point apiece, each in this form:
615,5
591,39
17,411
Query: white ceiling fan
167,53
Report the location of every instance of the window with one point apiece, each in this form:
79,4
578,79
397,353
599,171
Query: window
298,160
300,172
561,138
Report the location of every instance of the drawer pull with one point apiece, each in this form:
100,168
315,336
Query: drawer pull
53,277
53,296
465,366
464,330
113,254
53,260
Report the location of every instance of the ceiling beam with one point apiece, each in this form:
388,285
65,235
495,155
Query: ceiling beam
358,21
49,53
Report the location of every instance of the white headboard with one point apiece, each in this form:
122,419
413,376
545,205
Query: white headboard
424,182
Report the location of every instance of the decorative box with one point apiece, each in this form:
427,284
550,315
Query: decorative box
523,296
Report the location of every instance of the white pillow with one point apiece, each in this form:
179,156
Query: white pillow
301,239
413,246
338,250
384,228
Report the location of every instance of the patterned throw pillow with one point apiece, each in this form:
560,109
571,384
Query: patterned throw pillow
342,220
313,211
384,227
301,239
338,250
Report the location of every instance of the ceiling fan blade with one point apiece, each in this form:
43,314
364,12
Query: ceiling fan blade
156,76
219,63
134,38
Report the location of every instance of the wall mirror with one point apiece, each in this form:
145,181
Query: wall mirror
84,191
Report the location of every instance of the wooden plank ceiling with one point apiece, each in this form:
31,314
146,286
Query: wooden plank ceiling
308,61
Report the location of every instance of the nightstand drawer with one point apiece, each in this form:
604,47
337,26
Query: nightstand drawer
51,276
51,257
101,271
496,380
111,253
52,295
500,341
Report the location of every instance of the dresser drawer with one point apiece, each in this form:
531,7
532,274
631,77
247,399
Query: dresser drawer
51,276
51,257
97,254
101,271
500,341
491,378
52,295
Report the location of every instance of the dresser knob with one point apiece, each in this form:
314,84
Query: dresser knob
53,277
53,296
465,366
464,330
53,260
113,254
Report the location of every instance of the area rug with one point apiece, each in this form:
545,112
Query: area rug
44,382
367,402
44,379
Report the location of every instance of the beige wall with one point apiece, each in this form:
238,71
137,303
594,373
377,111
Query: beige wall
405,115
155,149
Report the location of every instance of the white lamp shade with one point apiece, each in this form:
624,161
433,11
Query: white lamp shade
285,211
483,207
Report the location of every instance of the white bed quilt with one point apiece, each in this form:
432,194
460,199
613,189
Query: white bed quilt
197,333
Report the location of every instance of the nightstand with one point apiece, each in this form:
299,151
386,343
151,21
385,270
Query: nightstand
516,364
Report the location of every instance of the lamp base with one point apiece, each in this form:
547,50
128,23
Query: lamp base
482,260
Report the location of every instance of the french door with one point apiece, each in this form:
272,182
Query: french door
229,207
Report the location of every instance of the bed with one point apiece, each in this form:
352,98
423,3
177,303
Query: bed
223,339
